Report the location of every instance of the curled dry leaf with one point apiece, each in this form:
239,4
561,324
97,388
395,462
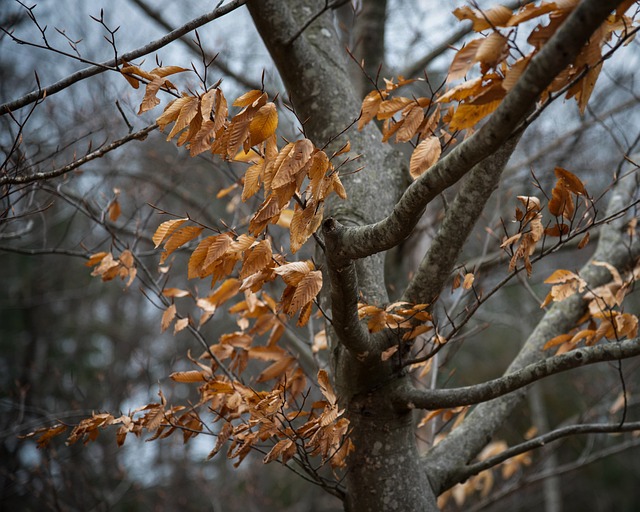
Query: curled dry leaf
167,317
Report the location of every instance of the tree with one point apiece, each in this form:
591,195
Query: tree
340,186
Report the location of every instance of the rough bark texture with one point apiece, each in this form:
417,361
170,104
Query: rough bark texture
385,472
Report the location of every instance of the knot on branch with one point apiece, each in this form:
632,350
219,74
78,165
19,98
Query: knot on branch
333,233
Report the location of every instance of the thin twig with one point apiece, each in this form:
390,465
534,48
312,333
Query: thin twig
129,56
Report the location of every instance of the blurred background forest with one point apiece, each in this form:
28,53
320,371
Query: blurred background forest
70,344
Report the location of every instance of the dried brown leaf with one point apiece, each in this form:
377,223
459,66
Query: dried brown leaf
424,156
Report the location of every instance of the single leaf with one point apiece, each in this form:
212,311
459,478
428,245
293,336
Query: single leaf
571,181
561,203
561,276
498,16
165,229
263,125
164,71
512,75
344,149
464,59
412,121
167,317
172,111
584,241
276,370
493,50
252,180
175,292
370,107
557,230
114,210
187,112
307,289
530,11
225,291
178,238
292,163
180,324
256,259
558,340
189,376
468,281
468,115
292,273
389,108
387,354
466,89
150,100
424,156
326,387
96,258
247,98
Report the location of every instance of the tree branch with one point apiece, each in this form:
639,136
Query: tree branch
98,153
466,441
111,64
461,217
574,465
559,52
542,440
344,297
189,43
470,395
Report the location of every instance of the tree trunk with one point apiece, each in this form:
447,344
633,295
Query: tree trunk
384,472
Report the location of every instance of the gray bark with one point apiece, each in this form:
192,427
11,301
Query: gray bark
385,472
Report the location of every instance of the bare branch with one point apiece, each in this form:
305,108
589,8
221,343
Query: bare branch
40,176
111,64
542,440
581,462
189,43
470,395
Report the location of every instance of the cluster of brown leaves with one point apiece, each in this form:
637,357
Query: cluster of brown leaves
414,121
239,265
152,418
501,64
108,267
531,229
251,418
411,320
271,415
202,123
217,256
500,68
605,317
